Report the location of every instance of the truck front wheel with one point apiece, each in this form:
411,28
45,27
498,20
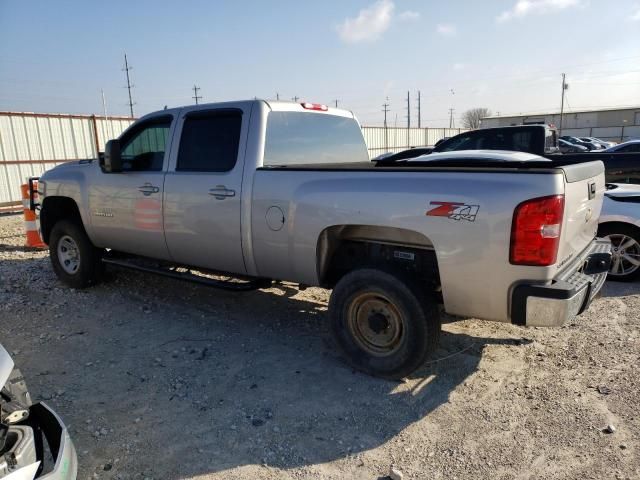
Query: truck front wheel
383,323
75,260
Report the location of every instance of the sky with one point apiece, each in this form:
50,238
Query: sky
505,55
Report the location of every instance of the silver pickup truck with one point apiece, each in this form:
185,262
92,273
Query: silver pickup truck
270,191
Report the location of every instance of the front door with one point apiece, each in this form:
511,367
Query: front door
203,188
126,207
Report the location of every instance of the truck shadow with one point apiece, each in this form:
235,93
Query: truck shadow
620,289
197,380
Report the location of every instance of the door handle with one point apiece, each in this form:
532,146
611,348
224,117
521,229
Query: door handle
147,189
221,192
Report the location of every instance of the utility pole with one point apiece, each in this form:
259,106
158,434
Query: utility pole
296,98
277,96
408,118
419,119
451,121
195,94
564,87
129,86
385,109
104,104
336,102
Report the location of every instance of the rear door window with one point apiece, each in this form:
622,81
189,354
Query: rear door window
210,141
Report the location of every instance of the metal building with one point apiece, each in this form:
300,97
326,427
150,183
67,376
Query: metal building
618,125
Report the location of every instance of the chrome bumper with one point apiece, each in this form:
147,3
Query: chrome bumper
566,296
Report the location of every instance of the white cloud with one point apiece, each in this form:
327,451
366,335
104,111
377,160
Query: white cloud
409,15
370,23
522,8
446,29
636,16
459,66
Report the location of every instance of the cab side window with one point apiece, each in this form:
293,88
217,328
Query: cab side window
142,150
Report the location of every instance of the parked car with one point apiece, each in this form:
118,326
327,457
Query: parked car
409,153
537,139
620,223
25,427
619,167
596,144
632,146
602,143
280,190
576,141
568,147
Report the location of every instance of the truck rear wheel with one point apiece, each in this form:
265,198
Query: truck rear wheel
75,260
382,323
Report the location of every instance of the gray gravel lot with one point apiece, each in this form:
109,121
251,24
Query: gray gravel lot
160,379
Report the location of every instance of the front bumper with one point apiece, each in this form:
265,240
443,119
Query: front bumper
568,295
46,426
60,444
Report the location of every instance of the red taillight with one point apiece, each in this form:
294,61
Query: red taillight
314,106
535,232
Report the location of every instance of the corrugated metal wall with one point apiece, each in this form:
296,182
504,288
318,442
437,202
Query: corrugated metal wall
31,143
380,140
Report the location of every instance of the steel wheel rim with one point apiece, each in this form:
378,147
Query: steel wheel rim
375,323
625,255
68,254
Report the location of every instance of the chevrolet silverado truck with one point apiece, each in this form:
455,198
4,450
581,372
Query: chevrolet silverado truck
264,191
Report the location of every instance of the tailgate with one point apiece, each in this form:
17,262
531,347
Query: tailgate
584,192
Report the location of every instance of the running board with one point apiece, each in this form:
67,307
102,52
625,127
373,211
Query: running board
249,285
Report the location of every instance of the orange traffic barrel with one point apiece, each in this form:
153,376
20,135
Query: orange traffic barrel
30,220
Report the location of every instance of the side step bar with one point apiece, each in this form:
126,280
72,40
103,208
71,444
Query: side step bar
243,286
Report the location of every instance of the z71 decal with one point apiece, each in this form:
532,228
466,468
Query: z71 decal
454,211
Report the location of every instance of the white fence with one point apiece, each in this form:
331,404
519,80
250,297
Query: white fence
31,143
380,140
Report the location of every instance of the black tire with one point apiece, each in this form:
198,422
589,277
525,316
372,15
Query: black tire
368,306
89,269
615,233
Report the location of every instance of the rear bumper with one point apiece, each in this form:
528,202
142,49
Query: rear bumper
568,295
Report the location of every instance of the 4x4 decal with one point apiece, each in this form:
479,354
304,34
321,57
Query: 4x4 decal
454,211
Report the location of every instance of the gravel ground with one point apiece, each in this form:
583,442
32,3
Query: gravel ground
159,379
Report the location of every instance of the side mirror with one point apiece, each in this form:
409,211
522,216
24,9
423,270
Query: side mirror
111,161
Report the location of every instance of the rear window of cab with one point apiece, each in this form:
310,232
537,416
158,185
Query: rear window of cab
304,138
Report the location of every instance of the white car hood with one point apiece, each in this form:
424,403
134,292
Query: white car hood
622,190
6,366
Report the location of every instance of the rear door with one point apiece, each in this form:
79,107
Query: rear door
203,188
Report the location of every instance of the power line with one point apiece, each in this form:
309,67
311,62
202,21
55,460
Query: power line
195,94
129,86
